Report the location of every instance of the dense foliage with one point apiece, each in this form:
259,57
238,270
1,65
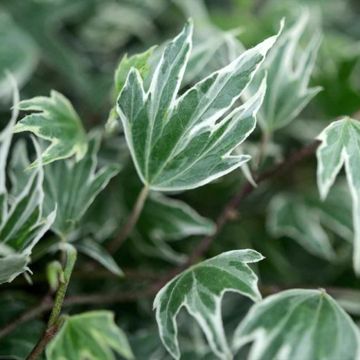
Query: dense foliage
179,179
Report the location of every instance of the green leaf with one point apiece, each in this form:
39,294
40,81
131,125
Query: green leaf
22,222
137,61
89,336
54,120
298,324
213,48
340,146
289,216
165,220
94,250
200,290
288,71
18,54
170,219
180,143
73,186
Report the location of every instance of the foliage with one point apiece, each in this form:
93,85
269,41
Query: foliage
200,289
296,324
56,121
91,335
136,207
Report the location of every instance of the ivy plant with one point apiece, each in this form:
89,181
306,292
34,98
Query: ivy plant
176,229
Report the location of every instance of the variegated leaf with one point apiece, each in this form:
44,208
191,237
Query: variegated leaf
22,222
54,120
290,216
200,290
299,324
180,143
89,336
288,69
340,146
73,186
164,220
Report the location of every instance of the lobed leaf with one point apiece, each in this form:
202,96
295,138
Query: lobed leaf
200,290
22,222
298,324
89,336
340,146
73,186
292,217
180,143
288,71
54,120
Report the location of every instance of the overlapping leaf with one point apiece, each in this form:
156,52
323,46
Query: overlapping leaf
297,325
292,217
340,146
180,143
288,73
200,290
89,336
213,48
54,120
165,220
73,186
22,222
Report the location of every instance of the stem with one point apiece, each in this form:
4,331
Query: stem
131,221
54,322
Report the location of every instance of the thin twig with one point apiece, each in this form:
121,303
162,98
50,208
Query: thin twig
54,320
131,222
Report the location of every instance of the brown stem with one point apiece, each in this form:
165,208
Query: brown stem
131,222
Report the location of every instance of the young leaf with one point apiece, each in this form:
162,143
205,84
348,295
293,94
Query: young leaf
22,223
138,61
89,336
200,290
298,324
180,143
288,73
291,217
73,186
54,120
340,145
